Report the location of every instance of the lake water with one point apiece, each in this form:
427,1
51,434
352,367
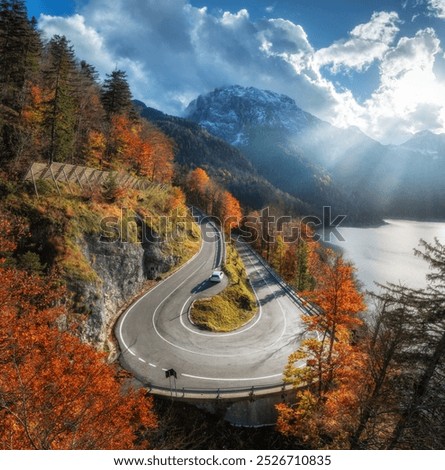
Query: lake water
385,253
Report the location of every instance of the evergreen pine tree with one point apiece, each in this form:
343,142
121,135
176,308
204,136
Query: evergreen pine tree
90,114
60,111
404,405
116,94
19,51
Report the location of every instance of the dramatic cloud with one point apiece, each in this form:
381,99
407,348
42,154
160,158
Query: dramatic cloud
173,51
367,42
410,96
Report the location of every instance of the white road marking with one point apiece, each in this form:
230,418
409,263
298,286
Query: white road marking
255,265
220,379
126,347
152,365
252,351
142,360
221,335
224,335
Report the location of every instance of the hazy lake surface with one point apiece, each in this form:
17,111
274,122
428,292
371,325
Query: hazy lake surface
386,253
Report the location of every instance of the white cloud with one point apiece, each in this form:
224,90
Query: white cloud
87,40
367,42
437,7
173,52
410,97
230,19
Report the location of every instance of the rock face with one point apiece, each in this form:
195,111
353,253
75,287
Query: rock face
231,112
122,271
323,165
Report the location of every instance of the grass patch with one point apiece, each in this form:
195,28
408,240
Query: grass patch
60,221
232,308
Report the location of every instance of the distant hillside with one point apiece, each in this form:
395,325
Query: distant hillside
323,165
196,147
265,126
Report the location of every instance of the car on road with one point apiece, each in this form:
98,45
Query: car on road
216,276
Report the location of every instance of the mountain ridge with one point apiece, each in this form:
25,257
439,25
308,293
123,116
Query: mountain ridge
196,147
324,165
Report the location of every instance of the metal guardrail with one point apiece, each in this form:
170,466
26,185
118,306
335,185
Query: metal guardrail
310,308
225,393
223,247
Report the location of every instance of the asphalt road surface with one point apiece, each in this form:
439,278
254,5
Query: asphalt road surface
156,335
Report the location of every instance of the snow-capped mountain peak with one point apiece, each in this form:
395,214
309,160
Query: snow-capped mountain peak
230,112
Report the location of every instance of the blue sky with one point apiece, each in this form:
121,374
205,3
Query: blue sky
378,65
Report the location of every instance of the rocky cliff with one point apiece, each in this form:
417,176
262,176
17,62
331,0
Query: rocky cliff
122,271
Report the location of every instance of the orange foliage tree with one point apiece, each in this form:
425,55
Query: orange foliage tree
136,145
123,142
177,202
328,370
229,211
32,120
197,185
160,168
95,148
197,181
204,192
56,392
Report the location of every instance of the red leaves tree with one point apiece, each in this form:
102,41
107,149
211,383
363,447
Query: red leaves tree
197,181
204,192
160,167
56,392
328,369
229,211
140,147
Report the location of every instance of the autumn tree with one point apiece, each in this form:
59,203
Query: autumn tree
286,243
160,169
213,199
89,124
197,182
228,211
32,119
279,253
95,149
135,145
327,370
154,159
201,190
304,280
55,392
122,142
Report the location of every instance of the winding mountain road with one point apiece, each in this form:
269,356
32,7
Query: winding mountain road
156,335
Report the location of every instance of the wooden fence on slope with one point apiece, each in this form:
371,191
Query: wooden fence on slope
83,176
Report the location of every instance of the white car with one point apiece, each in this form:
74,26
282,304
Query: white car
216,276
